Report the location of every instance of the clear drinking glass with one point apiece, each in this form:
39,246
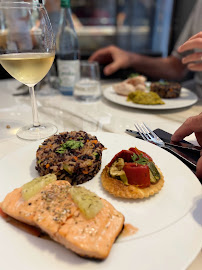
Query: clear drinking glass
88,86
27,54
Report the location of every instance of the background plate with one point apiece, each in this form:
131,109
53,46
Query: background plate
162,220
187,98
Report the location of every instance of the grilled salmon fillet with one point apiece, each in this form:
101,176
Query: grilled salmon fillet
54,212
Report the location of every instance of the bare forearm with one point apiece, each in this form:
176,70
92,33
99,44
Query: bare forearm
169,68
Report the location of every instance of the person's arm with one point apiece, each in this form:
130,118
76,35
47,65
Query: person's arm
169,68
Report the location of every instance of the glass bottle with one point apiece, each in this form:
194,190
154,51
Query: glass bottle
67,50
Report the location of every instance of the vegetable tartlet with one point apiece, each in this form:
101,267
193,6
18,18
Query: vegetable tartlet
132,174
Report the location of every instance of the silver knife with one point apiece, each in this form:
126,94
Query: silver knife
183,156
177,145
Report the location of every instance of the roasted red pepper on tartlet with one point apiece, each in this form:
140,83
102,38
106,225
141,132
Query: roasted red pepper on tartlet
132,174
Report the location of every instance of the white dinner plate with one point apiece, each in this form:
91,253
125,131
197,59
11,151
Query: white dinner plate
187,98
169,223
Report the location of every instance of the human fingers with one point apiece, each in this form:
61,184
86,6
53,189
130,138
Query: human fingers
101,53
199,138
196,36
193,57
192,124
195,67
113,67
199,168
191,44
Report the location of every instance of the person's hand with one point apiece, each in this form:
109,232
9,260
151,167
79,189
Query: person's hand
192,124
194,60
114,57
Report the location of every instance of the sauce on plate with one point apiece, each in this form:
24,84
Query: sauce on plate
128,230
22,226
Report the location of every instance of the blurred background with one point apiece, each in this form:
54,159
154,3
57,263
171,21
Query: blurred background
149,27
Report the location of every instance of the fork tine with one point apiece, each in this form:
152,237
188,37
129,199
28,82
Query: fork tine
140,132
152,133
146,131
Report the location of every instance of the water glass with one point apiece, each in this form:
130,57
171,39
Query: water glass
88,87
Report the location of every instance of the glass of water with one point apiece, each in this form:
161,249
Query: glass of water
88,87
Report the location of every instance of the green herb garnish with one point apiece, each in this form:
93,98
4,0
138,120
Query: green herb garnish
140,159
132,75
69,144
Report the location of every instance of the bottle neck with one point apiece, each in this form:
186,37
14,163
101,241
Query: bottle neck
65,3
66,17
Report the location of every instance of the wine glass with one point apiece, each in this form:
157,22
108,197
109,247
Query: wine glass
28,54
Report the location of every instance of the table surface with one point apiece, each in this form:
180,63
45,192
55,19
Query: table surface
68,114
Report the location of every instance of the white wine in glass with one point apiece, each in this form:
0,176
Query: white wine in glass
28,68
28,55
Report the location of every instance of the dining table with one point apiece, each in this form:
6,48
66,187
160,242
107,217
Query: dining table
102,115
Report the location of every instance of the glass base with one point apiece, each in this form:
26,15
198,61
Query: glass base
32,133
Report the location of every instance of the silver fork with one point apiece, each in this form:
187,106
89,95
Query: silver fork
148,135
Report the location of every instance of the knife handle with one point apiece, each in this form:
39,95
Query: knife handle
180,155
186,147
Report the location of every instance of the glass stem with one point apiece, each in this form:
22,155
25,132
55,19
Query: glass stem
34,107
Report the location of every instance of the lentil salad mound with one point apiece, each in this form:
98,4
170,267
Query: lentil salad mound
73,156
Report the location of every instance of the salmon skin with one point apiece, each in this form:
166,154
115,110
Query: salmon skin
54,212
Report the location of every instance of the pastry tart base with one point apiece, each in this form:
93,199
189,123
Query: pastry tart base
118,189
